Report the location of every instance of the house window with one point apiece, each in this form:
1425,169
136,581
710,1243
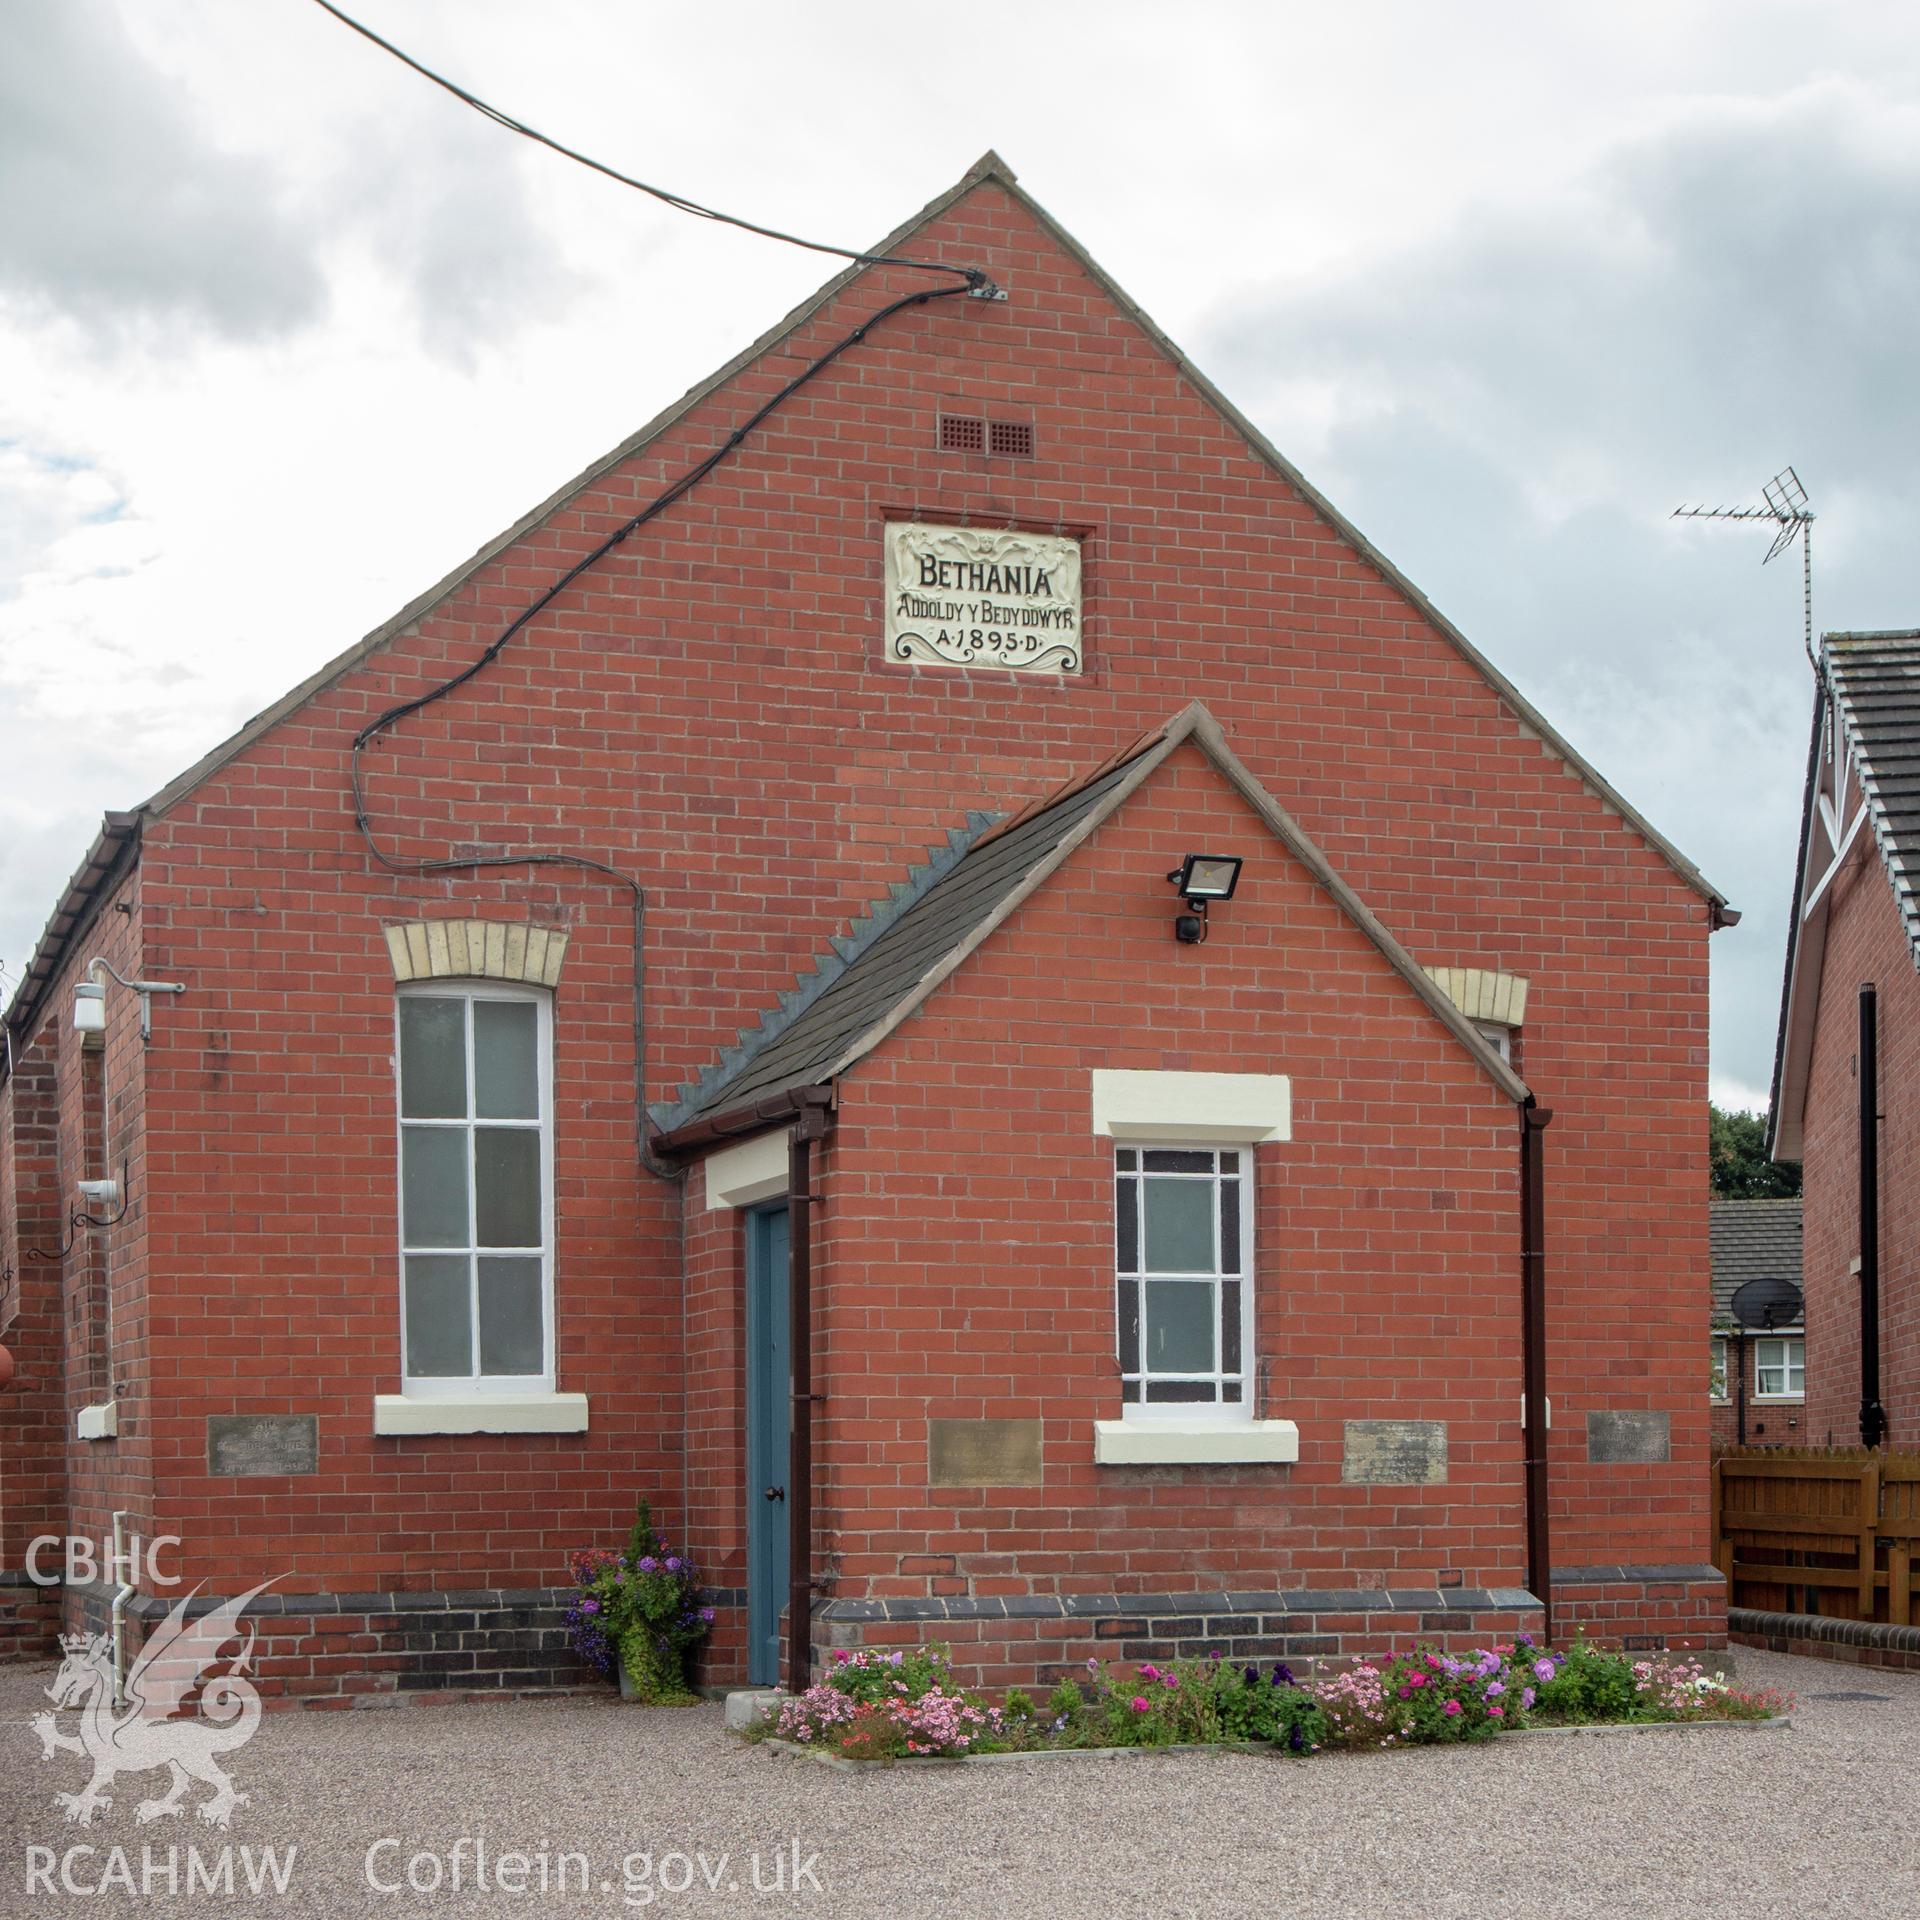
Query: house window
1498,1037
476,1189
1780,1368
1183,1245
1719,1375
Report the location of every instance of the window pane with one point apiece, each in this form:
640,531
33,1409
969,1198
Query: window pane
433,1058
1124,1159
506,1043
439,1335
1229,1326
1130,1392
506,1175
510,1317
1229,1226
1129,1326
1179,1327
1179,1390
1230,1390
433,1186
1177,1160
1126,1202
1179,1226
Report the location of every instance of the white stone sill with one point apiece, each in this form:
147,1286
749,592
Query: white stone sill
398,1413
98,1423
1194,1443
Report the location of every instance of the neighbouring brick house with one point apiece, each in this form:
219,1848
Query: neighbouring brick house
1849,1044
1758,1372
1160,1247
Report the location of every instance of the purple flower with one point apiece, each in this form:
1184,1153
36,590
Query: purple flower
1251,1675
1526,1697
706,1614
1495,1688
589,1606
1283,1674
649,1564
1543,1670
673,1563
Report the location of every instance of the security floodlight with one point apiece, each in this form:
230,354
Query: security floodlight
1199,879
1207,876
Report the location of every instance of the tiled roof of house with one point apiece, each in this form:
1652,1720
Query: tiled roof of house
886,966
1876,684
1863,770
1752,1240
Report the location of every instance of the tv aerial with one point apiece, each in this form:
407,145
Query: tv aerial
1786,506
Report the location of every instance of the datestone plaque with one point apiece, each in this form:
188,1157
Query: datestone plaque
983,1453
1620,1436
1395,1453
242,1446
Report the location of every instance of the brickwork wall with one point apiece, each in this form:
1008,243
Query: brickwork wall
33,1406
711,702
966,1244
1865,942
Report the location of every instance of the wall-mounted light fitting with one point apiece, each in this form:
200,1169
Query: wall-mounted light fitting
90,998
1199,879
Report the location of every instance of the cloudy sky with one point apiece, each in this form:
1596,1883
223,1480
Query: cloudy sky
285,333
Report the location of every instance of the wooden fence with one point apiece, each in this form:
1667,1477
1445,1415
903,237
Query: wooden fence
1832,1531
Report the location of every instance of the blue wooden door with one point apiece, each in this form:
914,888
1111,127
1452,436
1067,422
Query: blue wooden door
769,1422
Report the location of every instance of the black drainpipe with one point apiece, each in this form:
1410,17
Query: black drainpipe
1533,1348
1873,1416
810,1128
1740,1392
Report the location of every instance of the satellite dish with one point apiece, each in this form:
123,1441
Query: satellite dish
1768,1303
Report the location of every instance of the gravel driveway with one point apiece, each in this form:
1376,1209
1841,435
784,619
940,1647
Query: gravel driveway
1816,1820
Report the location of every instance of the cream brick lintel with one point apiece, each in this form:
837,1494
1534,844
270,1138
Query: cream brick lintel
1498,997
477,950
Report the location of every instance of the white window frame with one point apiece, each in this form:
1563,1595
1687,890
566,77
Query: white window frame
1217,1411
467,1387
1719,1365
1786,1365
1498,1036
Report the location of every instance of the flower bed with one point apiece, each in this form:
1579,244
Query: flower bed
877,1706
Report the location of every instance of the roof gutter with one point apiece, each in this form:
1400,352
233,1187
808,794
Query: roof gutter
113,852
755,1116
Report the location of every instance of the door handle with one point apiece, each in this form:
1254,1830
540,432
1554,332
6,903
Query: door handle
776,1493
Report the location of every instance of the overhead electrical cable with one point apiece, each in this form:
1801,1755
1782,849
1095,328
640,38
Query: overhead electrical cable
971,281
975,278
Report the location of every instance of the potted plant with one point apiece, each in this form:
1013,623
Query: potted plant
639,1613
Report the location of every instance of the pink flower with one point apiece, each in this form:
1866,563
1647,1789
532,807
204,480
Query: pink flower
1497,1713
1139,1703
1416,1679
1149,1673
1453,1706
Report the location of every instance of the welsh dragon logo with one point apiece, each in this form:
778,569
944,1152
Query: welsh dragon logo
146,1734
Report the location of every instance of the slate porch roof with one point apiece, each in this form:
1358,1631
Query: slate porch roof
888,964
1752,1240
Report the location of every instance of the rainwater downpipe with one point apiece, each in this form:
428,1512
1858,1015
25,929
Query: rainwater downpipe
123,1593
808,1130
1537,1415
1873,1416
